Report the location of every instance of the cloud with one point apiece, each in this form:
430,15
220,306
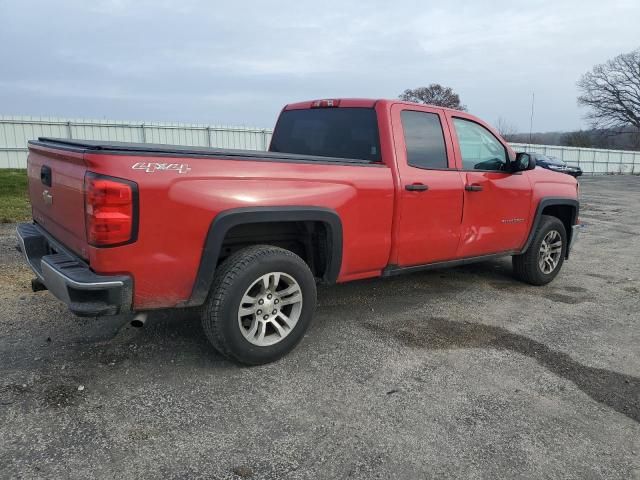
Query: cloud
238,62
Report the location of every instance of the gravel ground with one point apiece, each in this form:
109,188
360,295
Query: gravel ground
447,374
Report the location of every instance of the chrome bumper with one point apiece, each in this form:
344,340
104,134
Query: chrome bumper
86,293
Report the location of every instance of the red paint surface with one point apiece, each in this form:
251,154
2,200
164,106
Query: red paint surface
382,222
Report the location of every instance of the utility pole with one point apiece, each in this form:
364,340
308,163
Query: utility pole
533,99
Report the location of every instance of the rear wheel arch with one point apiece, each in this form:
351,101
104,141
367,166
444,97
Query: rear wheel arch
234,229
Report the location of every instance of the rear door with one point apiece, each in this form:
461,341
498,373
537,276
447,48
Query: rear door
496,202
56,191
431,189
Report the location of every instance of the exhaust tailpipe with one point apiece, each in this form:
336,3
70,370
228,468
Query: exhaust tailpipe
37,285
139,320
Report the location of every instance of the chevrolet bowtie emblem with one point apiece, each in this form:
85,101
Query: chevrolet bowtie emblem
47,198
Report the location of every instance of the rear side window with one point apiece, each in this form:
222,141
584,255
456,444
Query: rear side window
328,132
424,139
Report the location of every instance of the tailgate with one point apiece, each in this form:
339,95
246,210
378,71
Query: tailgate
56,191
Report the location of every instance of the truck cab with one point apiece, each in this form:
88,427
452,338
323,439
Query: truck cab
461,193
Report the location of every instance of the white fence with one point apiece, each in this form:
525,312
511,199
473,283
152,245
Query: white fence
592,161
16,131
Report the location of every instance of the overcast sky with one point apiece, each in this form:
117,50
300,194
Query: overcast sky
239,61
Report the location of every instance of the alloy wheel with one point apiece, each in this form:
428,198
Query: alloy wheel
270,309
550,252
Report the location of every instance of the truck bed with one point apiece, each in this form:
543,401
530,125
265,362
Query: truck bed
157,150
176,209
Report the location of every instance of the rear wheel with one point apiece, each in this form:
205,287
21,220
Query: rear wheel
544,258
260,305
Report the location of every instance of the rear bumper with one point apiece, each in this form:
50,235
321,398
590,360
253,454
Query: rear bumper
86,293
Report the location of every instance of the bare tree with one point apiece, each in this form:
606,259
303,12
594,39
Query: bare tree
506,129
434,94
611,91
578,138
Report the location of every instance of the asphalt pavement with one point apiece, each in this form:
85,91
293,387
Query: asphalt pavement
460,373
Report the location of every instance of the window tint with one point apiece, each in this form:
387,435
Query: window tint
424,139
480,149
328,132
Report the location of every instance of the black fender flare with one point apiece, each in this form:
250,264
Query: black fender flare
227,219
547,202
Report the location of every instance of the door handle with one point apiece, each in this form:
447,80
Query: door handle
416,187
473,188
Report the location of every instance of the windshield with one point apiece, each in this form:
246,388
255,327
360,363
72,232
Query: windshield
328,132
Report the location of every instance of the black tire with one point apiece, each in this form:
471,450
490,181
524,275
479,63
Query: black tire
526,266
233,277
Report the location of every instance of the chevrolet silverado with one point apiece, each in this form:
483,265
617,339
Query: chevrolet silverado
349,189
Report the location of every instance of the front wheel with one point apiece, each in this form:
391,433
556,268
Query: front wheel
260,305
544,258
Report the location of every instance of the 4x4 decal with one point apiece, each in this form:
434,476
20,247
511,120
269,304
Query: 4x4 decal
152,167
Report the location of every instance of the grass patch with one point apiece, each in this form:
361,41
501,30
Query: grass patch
14,200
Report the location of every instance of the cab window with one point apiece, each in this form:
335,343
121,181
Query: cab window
424,140
329,132
480,150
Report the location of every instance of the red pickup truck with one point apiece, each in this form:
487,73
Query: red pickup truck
349,189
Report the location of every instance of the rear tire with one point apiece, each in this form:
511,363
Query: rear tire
260,305
542,261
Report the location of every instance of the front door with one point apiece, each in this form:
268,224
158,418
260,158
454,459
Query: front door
497,203
431,189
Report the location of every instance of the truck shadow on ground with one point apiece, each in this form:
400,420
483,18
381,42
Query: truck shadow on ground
492,276
617,391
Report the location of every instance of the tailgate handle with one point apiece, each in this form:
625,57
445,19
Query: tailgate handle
45,175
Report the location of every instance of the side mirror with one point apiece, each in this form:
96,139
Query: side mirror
524,161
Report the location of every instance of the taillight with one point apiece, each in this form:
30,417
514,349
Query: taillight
110,206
